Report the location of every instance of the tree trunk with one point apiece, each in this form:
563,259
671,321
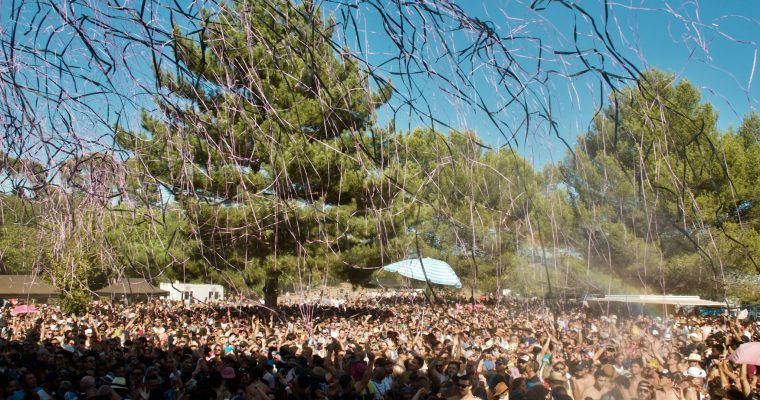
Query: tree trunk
271,288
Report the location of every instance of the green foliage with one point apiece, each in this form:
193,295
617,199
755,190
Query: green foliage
75,301
21,251
660,195
150,243
78,268
278,179
264,143
472,205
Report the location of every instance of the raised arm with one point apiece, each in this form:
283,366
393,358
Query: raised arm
745,384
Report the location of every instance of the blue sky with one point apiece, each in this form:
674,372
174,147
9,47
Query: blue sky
711,43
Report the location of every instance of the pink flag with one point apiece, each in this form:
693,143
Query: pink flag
748,353
24,309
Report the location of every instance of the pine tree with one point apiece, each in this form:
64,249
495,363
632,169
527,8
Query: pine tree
264,140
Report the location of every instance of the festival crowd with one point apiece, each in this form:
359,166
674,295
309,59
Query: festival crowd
394,348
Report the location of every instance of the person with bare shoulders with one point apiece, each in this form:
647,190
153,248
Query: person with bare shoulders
581,379
665,391
645,391
636,369
464,389
602,384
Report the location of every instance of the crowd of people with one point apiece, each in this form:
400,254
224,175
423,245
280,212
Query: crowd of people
395,348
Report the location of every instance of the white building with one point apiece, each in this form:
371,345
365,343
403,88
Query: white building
194,292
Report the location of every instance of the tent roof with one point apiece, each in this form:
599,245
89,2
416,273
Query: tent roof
132,286
659,299
436,271
25,286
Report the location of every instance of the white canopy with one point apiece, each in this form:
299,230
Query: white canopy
437,271
658,299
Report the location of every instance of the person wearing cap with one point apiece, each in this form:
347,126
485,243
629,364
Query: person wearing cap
694,387
499,374
556,379
665,390
521,361
694,360
531,374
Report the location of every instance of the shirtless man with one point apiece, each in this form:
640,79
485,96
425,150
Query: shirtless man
602,384
636,369
464,389
581,379
665,391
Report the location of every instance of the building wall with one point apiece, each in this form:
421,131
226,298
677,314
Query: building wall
194,292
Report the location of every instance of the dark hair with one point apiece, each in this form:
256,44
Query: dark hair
464,378
623,381
317,360
256,373
537,392
345,381
599,373
559,391
215,379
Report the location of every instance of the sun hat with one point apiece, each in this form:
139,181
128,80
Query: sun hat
696,372
500,389
694,357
